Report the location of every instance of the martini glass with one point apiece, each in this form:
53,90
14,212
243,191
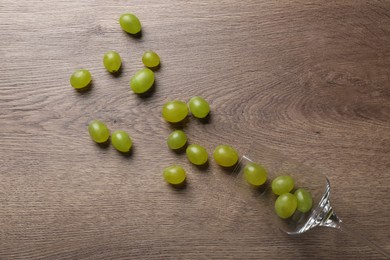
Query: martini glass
276,164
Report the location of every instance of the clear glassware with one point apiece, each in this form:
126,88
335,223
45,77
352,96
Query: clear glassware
276,164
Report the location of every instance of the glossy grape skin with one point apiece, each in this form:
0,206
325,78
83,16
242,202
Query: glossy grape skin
174,174
197,154
142,81
199,107
130,23
121,141
282,184
305,200
150,59
80,79
285,205
112,61
174,111
177,139
225,155
255,174
98,131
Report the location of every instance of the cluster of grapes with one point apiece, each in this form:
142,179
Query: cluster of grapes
172,111
176,111
140,83
287,203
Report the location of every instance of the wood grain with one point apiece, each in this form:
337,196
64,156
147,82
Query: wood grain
307,78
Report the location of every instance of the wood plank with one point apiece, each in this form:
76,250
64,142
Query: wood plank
307,78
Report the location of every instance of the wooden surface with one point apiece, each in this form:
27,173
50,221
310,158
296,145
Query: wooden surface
310,79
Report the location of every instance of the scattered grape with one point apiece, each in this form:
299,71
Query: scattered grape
199,107
255,174
174,174
304,199
98,131
197,154
174,111
225,155
142,81
121,141
177,139
112,61
285,205
130,23
80,79
150,59
282,184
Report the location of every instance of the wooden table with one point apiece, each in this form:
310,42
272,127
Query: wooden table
309,79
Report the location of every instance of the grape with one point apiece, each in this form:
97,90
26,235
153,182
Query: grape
197,154
304,199
112,61
150,59
225,155
177,139
199,107
255,174
285,205
174,111
282,184
142,81
121,141
174,174
130,23
98,131
80,79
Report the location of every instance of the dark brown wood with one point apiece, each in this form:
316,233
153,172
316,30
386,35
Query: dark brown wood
308,78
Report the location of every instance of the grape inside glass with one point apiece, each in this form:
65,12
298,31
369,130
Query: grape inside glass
305,177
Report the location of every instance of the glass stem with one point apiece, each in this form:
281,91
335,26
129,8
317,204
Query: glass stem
331,220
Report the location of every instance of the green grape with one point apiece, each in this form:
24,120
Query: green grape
98,131
150,59
305,201
255,174
174,111
130,23
112,61
142,81
197,154
80,79
199,107
282,184
285,205
121,141
174,174
225,155
177,139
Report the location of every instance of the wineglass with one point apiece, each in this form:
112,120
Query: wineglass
276,164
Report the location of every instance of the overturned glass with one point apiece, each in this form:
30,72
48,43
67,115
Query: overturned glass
276,164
